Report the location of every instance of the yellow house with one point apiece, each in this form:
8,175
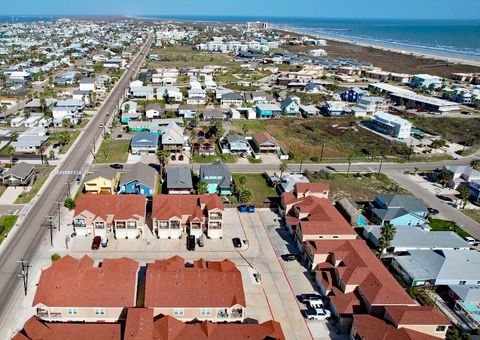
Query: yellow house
103,180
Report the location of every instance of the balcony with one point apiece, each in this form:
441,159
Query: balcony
216,216
236,313
42,313
215,225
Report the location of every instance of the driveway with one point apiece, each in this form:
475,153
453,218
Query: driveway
432,201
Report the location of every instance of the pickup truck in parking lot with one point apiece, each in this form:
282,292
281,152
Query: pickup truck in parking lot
318,314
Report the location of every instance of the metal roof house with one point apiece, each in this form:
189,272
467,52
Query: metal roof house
144,142
399,210
179,181
218,178
140,180
439,267
20,174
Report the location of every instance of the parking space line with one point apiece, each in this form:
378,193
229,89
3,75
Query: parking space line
284,274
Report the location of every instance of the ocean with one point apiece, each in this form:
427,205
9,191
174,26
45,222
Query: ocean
9,19
455,38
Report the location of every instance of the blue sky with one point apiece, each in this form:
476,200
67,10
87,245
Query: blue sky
458,9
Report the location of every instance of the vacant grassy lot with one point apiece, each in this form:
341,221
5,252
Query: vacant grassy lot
342,137
206,159
474,214
186,57
457,130
444,225
7,222
258,184
73,137
113,151
252,126
42,175
359,188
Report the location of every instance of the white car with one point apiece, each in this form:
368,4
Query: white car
317,314
471,240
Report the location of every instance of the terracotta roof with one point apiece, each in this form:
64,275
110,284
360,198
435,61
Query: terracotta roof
311,187
322,218
122,207
371,328
264,137
359,266
418,315
168,206
71,282
348,303
35,329
170,283
141,325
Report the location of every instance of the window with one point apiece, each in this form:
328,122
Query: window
205,311
72,311
131,225
335,236
99,311
178,311
440,329
163,225
462,283
99,225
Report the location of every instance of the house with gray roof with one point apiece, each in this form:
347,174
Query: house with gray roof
218,178
140,179
20,174
467,302
144,143
399,210
414,238
231,98
290,106
439,267
179,181
237,143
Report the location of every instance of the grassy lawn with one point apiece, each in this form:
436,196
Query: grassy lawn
206,159
113,151
43,173
252,125
258,184
444,225
2,190
359,188
7,221
339,138
474,214
83,122
73,137
254,160
457,130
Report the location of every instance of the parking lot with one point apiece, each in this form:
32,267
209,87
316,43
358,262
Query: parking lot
299,280
272,297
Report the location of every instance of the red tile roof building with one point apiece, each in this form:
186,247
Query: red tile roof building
35,329
310,217
77,290
174,215
206,290
357,283
105,215
141,325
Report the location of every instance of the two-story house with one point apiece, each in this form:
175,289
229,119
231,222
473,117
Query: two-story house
206,290
141,179
79,291
102,180
121,216
399,210
218,178
174,215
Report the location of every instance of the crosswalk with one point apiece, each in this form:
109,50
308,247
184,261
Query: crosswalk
68,172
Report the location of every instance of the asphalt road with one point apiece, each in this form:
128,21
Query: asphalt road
33,229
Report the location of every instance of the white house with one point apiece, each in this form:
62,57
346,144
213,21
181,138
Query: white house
391,125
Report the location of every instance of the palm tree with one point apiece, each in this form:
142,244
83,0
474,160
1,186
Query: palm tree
283,167
475,164
163,156
465,195
445,177
387,234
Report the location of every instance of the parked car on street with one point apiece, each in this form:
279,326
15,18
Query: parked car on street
104,242
290,257
318,314
433,211
96,242
304,298
242,208
116,166
251,209
471,240
237,243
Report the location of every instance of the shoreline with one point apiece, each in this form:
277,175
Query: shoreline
384,47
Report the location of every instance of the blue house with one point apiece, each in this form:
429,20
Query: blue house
399,210
267,110
141,179
353,94
218,178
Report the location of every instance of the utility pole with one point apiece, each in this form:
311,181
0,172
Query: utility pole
24,274
321,155
51,228
381,163
59,218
